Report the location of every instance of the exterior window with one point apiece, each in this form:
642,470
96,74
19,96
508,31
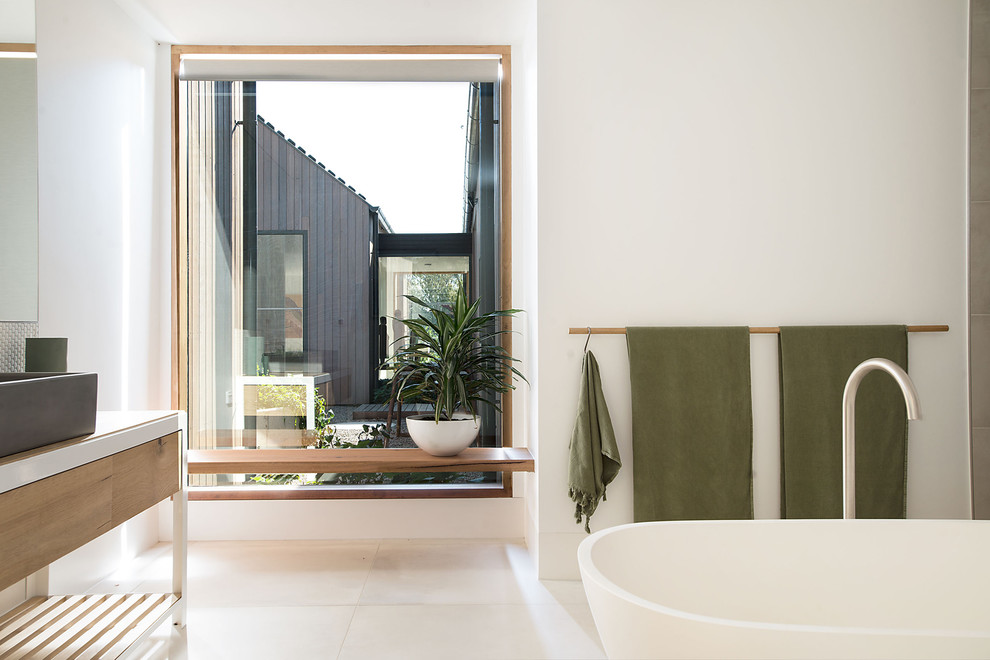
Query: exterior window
298,277
430,279
281,295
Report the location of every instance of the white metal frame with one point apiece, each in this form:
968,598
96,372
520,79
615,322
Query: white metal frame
309,382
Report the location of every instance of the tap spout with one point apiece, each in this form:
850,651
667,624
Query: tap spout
849,421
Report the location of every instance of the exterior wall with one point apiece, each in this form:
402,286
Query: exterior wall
296,194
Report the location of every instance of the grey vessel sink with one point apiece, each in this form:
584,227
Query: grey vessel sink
38,409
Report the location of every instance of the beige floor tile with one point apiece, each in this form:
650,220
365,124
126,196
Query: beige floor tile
506,631
256,573
250,633
566,591
421,599
450,572
150,572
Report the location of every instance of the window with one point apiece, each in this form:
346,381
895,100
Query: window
431,279
281,296
298,269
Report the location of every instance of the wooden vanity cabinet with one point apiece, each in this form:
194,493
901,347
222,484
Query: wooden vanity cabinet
47,517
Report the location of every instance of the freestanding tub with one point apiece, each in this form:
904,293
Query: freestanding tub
791,589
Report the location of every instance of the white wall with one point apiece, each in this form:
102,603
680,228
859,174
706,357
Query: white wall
525,252
758,162
100,263
349,519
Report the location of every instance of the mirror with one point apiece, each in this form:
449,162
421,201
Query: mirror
19,163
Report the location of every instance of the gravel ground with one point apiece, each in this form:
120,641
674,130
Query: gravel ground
349,429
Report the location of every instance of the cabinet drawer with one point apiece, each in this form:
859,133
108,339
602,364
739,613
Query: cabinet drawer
144,476
47,519
50,518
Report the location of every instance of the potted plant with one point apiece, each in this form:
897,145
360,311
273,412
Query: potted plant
454,361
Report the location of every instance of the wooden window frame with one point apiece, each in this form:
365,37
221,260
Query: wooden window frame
180,265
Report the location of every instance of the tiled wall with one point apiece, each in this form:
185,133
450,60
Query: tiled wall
979,268
12,334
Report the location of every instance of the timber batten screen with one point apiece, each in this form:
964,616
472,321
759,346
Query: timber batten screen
214,213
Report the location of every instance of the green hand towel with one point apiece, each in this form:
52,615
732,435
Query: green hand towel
815,363
594,455
692,423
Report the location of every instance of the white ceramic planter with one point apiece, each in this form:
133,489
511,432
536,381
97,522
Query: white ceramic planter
445,438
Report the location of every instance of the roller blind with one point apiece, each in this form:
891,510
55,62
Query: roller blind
385,68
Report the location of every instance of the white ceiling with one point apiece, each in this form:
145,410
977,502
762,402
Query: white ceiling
341,22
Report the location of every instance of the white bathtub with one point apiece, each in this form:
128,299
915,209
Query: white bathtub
791,589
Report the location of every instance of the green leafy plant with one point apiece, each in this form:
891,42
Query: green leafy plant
454,359
290,397
325,431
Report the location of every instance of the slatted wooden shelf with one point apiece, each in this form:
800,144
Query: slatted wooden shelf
92,626
293,461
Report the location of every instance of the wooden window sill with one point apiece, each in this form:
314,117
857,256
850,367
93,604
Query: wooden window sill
371,492
292,461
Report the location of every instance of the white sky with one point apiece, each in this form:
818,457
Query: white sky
401,145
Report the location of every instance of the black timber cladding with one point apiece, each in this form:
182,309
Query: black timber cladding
295,194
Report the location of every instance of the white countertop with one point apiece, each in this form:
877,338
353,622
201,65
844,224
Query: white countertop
116,431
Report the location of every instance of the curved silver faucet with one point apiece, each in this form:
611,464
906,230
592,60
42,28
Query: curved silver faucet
849,422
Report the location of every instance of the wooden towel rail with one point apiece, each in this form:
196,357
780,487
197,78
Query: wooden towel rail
766,330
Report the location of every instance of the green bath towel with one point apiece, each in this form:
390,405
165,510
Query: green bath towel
815,363
692,423
594,456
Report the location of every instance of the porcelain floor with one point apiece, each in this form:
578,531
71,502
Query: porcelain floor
365,599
